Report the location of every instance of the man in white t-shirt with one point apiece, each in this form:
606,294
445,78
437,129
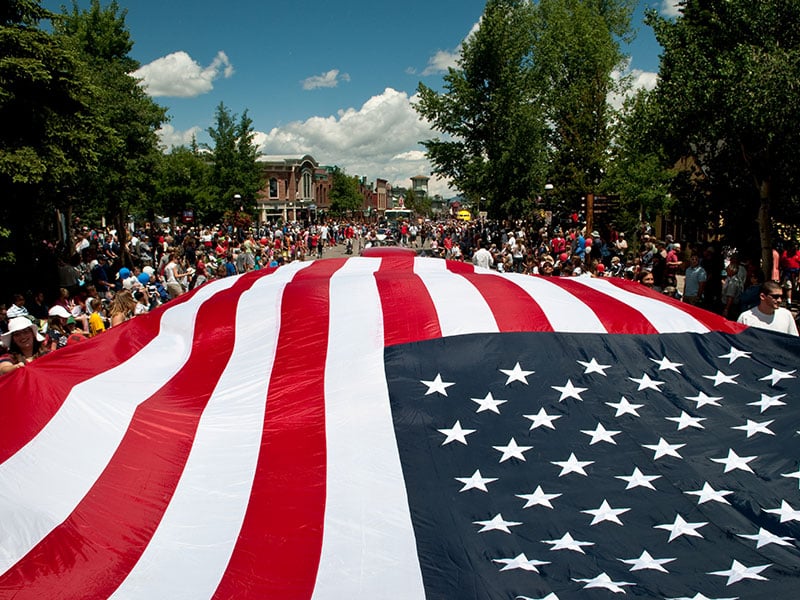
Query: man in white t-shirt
482,257
768,314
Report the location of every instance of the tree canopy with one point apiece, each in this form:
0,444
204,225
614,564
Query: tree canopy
528,102
51,131
128,149
490,114
234,168
344,194
727,104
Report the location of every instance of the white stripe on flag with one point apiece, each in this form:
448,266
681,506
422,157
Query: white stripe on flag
205,515
368,545
44,475
449,292
565,312
663,316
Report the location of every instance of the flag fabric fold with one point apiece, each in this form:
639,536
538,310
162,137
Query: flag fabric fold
400,427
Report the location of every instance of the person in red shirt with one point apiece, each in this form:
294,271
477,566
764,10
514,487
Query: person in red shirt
790,267
558,244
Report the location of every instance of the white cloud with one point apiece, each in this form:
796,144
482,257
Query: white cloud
643,79
180,76
171,137
670,8
378,140
325,80
638,80
442,60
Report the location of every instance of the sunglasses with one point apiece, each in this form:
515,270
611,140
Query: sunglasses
775,296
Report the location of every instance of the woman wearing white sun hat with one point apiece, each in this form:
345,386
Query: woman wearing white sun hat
23,342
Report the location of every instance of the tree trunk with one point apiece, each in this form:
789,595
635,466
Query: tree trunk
765,227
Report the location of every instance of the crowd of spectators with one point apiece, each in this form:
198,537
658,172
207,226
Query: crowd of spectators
102,284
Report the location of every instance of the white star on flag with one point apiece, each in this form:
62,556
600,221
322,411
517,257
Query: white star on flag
550,596
542,419
664,448
566,542
624,407
768,402
645,561
496,523
572,465
538,498
734,354
488,403
733,461
764,537
594,367
786,512
666,364
638,479
699,596
605,513
516,374
777,375
569,391
794,475
512,450
456,434
709,494
601,434
604,581
719,378
753,427
475,482
437,386
738,571
703,399
520,562
685,420
645,383
681,527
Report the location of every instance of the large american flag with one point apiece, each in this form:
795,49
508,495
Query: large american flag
399,427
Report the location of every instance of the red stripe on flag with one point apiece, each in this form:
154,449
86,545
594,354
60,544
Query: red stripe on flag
114,522
711,320
512,307
615,315
409,314
33,395
278,550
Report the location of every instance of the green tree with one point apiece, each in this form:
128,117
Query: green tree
636,166
183,181
727,103
344,195
235,169
128,150
528,102
576,50
48,135
490,114
419,203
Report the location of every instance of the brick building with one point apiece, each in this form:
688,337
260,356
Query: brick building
297,188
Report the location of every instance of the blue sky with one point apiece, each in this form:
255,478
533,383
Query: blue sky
333,81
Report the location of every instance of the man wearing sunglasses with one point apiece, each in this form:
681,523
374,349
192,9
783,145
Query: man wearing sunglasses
769,314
